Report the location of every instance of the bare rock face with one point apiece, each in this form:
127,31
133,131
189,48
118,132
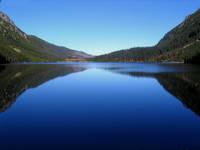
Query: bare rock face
8,25
5,18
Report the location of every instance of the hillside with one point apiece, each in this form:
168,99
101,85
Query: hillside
180,44
17,46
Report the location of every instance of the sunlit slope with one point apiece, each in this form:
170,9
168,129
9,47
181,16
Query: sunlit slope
17,46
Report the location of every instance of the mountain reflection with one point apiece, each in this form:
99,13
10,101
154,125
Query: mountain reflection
185,86
16,79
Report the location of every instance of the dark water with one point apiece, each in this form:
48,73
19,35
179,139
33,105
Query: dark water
100,106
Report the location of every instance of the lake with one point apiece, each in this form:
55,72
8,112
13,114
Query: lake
100,106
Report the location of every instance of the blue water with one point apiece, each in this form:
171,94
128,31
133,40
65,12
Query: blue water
100,106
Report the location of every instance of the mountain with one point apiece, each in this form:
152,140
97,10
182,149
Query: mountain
17,46
180,44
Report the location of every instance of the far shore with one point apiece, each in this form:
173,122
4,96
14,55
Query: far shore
89,61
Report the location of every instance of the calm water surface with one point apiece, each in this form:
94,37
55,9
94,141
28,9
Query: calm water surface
100,106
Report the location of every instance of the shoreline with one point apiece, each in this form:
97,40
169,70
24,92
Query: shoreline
64,62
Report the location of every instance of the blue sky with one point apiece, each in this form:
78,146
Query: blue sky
99,26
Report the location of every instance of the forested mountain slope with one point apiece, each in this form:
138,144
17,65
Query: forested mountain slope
17,46
180,44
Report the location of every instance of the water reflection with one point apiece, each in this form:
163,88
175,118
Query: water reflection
16,79
181,82
185,86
